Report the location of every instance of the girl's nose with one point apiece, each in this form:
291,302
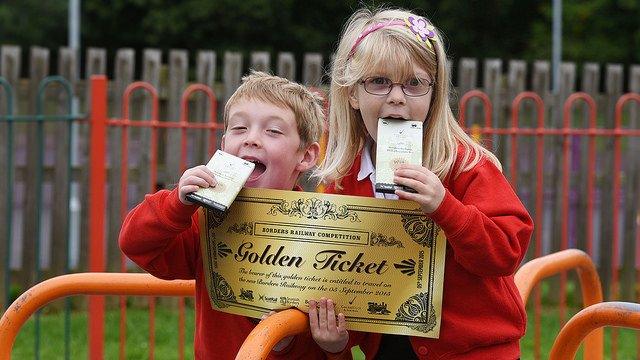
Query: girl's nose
396,96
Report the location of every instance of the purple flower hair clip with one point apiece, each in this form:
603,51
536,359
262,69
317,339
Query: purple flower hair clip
418,25
422,28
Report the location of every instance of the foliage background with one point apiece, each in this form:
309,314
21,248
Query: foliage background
593,30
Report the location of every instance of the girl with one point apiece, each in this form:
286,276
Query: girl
391,63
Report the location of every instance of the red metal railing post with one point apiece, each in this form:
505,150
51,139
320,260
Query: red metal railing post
97,178
538,132
617,172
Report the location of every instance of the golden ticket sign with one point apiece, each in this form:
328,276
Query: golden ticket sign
381,261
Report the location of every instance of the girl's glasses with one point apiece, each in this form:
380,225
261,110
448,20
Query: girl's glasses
377,85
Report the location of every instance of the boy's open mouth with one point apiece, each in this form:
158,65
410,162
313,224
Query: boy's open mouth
258,170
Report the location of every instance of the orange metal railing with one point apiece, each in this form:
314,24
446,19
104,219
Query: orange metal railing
592,319
289,322
534,271
82,284
273,329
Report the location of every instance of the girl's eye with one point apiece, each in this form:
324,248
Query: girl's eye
380,80
413,82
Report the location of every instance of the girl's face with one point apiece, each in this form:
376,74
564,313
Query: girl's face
396,104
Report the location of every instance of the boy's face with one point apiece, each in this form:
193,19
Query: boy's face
267,135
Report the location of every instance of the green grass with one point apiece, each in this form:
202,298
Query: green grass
52,335
137,344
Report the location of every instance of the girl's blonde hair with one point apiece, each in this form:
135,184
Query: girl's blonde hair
393,50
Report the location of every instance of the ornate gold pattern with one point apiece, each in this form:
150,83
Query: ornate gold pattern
421,229
314,208
416,309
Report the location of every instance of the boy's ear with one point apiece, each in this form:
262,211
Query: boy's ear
353,99
309,158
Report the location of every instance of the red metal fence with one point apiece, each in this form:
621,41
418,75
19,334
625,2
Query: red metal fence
516,132
528,140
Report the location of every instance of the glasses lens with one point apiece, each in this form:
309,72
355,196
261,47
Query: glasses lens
377,85
416,87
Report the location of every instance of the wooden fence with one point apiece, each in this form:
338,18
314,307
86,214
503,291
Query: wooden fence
502,81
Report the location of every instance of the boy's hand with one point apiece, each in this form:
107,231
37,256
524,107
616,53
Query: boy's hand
330,336
284,342
193,179
430,191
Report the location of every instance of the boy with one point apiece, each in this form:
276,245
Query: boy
270,121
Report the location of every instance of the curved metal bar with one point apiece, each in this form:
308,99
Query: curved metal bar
41,88
270,331
184,119
591,319
82,284
531,273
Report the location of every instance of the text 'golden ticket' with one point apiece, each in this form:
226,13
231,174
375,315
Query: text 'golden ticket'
381,261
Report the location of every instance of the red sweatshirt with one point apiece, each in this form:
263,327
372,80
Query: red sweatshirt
161,235
488,231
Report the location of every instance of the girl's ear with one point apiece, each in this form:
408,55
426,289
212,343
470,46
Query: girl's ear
309,158
353,98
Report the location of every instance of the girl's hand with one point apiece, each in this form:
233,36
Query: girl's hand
193,179
430,191
331,335
284,342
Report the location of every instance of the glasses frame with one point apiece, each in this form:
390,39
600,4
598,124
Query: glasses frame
364,82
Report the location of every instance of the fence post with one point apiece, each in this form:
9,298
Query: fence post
97,181
286,66
312,69
261,61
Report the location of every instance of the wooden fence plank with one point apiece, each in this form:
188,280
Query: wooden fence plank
468,80
261,61
630,193
10,63
95,64
232,73
312,69
124,72
591,86
178,71
287,65
151,67
492,84
517,83
205,74
38,70
60,241
567,87
540,84
613,89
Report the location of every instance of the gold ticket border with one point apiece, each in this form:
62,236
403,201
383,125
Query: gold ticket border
223,294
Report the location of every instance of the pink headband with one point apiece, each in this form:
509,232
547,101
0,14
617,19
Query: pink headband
418,25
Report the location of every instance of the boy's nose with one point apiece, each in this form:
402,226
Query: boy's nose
396,96
252,139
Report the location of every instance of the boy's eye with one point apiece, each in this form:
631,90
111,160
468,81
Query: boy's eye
274,131
238,128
